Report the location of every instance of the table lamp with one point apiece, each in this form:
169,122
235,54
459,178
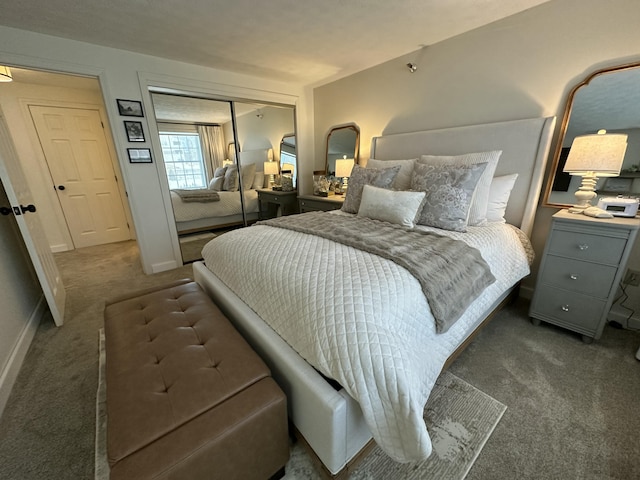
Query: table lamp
343,170
271,169
593,156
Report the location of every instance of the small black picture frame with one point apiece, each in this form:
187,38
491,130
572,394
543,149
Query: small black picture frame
129,108
139,155
134,130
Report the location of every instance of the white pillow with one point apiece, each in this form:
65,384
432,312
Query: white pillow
393,206
499,194
478,211
403,179
216,184
258,180
248,174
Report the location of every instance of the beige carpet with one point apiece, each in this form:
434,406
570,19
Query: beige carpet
191,245
460,420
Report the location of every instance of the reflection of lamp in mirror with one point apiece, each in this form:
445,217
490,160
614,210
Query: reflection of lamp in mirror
343,170
271,169
593,156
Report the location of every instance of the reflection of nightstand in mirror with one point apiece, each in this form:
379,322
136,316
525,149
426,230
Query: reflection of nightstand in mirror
270,200
313,203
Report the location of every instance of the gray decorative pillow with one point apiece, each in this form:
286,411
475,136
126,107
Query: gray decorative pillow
378,177
403,179
449,191
231,179
216,184
220,171
478,210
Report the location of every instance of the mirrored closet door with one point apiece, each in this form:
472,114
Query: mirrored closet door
214,153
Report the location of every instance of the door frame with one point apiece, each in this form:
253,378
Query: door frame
41,160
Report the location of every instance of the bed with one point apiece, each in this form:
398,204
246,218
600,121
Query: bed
350,395
194,216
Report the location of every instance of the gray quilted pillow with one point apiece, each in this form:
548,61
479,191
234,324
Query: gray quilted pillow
377,177
449,191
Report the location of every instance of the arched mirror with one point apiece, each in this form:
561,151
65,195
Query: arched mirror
288,155
342,142
607,99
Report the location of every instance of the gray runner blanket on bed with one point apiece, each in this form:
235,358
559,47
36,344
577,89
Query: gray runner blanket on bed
451,273
197,195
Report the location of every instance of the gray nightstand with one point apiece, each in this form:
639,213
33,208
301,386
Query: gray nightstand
270,200
583,262
312,203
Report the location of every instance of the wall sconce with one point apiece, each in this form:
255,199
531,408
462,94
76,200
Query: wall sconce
271,169
343,170
412,67
5,74
593,156
270,154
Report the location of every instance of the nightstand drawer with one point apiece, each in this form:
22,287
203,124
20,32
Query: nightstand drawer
584,246
578,276
569,309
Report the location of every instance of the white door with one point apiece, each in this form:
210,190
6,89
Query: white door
77,154
30,226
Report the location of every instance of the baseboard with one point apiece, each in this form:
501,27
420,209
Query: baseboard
163,267
526,292
10,372
63,247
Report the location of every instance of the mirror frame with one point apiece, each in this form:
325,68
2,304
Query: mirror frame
295,148
565,122
356,153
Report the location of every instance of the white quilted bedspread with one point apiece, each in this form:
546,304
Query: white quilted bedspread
359,318
229,204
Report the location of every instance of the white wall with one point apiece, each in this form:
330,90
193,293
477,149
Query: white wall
125,75
519,67
15,99
21,300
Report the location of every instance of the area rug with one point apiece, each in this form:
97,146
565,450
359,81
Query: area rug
460,420
191,245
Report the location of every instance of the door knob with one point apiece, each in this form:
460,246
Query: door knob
29,208
61,187
6,211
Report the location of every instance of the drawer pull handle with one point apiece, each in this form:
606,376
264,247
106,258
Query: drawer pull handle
565,308
573,276
583,246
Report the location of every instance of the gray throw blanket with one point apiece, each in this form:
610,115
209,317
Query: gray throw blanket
197,195
452,274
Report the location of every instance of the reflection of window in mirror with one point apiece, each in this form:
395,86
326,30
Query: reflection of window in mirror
606,99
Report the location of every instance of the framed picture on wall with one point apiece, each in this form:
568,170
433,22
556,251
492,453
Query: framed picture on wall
139,155
134,131
129,108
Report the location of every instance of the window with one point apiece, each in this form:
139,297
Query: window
183,160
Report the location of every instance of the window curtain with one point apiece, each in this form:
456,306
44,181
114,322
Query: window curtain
213,151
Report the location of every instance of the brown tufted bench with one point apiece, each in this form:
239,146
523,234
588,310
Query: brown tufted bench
187,398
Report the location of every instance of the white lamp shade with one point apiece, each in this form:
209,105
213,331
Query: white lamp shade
344,167
601,154
5,74
270,168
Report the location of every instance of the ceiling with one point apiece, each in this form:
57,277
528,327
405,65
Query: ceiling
300,41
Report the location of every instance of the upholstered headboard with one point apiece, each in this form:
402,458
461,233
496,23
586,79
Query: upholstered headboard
525,149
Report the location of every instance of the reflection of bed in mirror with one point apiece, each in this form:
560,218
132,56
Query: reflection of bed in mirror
226,211
335,422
